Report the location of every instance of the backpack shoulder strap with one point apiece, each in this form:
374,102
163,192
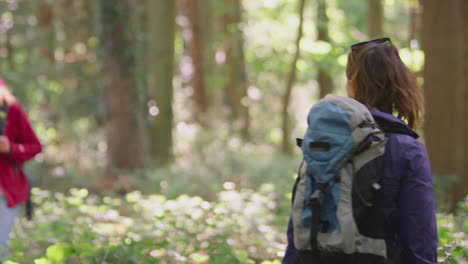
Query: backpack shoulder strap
298,178
4,108
3,117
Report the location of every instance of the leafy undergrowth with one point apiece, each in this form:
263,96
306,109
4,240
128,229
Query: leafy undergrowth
453,240
82,228
237,227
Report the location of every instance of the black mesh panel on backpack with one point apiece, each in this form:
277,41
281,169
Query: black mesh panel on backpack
367,195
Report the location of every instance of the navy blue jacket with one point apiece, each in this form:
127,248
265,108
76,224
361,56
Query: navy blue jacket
409,205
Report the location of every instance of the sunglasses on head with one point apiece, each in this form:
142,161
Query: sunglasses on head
378,41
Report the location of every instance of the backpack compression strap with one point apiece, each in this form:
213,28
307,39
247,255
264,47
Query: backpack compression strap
299,144
313,203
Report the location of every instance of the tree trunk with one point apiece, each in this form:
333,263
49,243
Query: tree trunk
236,87
375,17
416,21
462,188
10,50
208,22
444,88
121,99
46,24
161,26
196,49
325,81
286,145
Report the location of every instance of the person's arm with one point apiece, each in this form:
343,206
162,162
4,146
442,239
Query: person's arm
418,229
24,145
290,254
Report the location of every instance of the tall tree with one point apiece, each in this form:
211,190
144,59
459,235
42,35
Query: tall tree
75,41
375,17
324,79
123,123
196,49
286,145
236,87
161,30
9,47
207,14
46,24
445,88
461,189
416,21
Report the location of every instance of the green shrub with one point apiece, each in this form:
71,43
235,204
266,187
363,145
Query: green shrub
237,227
453,242
82,228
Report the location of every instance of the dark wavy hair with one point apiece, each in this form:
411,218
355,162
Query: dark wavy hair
378,78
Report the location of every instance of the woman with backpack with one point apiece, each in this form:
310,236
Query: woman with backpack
18,144
378,79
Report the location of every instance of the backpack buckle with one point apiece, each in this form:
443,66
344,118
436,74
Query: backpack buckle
314,199
316,195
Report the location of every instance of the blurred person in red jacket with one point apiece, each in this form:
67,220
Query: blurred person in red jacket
18,144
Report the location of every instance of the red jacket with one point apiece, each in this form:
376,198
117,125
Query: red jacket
24,146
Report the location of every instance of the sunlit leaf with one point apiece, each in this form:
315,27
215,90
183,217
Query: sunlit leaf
200,258
42,261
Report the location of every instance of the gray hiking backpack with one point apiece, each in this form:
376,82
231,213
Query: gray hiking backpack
337,198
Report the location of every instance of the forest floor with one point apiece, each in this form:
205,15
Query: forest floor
238,227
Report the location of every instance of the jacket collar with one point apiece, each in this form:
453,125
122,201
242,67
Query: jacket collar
392,124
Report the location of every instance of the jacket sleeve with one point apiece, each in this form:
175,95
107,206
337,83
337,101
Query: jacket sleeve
418,229
290,255
24,142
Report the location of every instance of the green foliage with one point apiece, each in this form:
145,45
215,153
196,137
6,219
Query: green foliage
64,96
453,241
443,183
210,166
223,200
238,227
79,227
